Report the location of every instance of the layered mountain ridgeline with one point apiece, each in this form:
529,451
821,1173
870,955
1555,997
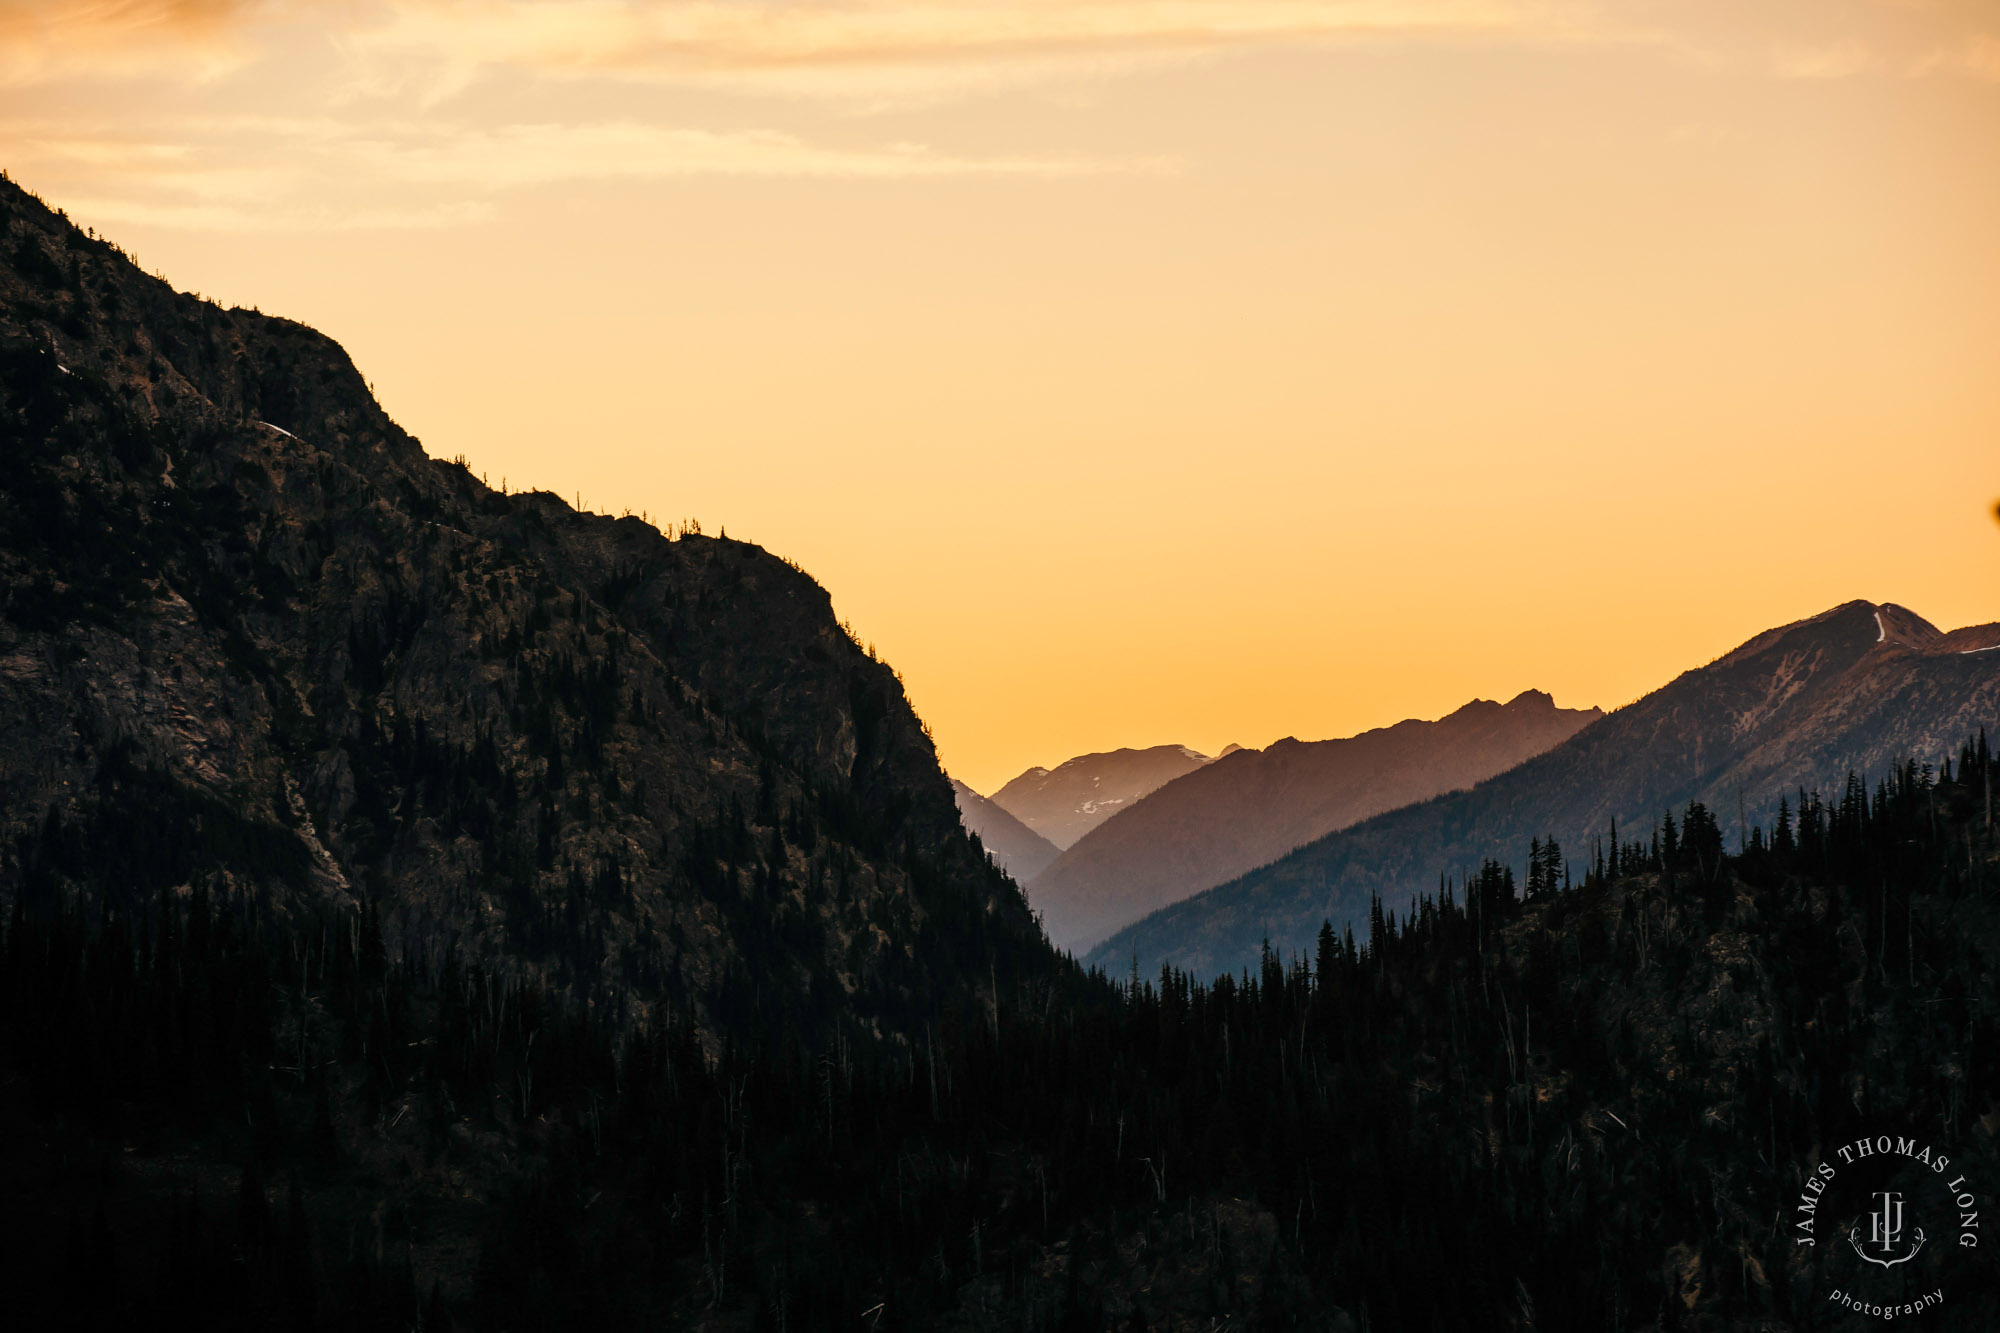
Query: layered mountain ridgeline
1014,847
1860,687
1063,803
1596,1110
1251,807
253,639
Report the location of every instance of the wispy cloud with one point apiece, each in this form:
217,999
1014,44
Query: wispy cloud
339,113
275,216
820,46
1833,60
42,40
1977,56
104,22
520,155
763,33
234,172
885,52
871,49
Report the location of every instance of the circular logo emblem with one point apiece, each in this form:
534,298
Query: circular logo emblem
1884,1218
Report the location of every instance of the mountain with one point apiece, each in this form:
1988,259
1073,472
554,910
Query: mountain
255,641
1250,807
1015,848
1066,802
1596,1108
1860,687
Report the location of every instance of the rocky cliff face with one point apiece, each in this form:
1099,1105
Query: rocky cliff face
1253,806
252,638
1860,687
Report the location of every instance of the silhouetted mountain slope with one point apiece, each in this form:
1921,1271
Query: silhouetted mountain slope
1066,802
1015,848
1253,806
252,636
1859,687
1593,1110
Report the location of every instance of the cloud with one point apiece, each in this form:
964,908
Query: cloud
522,155
125,208
760,33
1977,56
895,51
815,47
110,21
224,173
41,40
338,113
884,51
1836,60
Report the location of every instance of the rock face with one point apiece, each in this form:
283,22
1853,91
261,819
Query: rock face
252,637
1014,847
1859,687
1252,806
1063,803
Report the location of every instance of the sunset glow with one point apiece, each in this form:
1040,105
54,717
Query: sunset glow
1198,372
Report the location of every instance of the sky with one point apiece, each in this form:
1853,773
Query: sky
1132,371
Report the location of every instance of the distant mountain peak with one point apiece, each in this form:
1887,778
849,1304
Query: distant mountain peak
1066,802
1220,820
1856,688
1849,623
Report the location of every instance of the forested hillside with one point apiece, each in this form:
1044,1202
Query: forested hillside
1586,1106
254,641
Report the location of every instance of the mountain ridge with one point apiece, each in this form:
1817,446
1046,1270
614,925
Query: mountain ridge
1253,806
1064,803
1858,686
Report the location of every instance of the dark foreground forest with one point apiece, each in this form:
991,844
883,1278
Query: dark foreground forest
1553,1105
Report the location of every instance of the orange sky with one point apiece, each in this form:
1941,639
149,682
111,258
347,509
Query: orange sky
1193,370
